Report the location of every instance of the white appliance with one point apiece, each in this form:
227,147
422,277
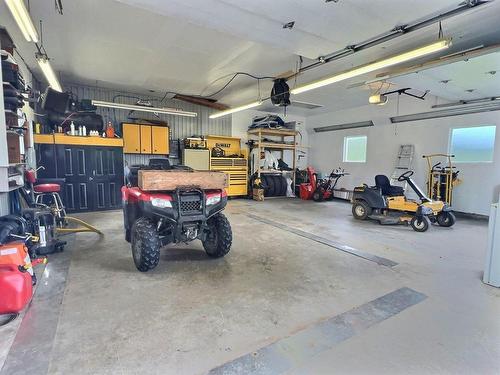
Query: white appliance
492,268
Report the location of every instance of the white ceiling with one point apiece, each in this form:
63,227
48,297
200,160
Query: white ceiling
453,82
183,46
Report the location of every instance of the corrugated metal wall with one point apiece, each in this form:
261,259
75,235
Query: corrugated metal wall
180,127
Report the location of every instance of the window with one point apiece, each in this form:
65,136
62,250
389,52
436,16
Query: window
473,145
355,149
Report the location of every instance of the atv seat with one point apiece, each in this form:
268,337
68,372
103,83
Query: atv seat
157,163
382,182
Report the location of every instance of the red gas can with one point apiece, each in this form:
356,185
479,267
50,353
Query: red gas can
15,289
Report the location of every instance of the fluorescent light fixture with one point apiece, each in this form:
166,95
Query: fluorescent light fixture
237,109
385,63
489,100
351,125
141,108
23,19
446,113
48,72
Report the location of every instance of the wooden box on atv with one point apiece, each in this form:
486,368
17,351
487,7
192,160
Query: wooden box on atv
164,180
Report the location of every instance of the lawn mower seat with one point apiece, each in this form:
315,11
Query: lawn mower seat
382,182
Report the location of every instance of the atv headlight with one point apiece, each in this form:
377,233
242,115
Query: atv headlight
214,199
161,203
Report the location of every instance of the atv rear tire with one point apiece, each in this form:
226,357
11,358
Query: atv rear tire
420,224
446,219
218,241
361,210
145,244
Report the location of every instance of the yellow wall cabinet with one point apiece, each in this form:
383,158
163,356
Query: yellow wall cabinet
160,138
131,139
145,139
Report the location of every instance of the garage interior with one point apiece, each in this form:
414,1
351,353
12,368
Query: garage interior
234,187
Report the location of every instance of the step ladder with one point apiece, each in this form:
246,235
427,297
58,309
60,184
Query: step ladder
404,162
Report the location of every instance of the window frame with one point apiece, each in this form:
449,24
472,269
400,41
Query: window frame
345,149
450,144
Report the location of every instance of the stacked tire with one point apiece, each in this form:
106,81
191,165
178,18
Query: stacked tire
274,185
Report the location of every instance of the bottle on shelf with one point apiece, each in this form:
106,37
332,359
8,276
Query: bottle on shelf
110,131
72,128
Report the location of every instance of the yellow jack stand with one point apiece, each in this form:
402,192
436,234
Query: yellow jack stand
85,227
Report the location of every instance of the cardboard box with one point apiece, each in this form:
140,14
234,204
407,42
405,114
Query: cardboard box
258,195
14,147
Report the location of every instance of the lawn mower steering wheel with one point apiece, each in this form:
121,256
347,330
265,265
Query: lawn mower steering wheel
405,176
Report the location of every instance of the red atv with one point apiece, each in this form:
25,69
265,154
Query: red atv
155,219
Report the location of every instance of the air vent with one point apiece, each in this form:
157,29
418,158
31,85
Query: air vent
351,125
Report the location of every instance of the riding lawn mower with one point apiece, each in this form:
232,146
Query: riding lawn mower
387,204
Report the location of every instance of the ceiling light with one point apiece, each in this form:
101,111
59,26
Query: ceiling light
447,113
141,108
350,125
377,99
237,109
394,60
488,100
48,72
23,19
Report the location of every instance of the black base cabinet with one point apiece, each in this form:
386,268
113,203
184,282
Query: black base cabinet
92,175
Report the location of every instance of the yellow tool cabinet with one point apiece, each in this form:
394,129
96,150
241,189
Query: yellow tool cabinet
145,139
235,167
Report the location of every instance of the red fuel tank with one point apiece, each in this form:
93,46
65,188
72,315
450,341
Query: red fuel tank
15,289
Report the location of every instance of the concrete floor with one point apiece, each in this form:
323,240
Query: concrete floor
193,314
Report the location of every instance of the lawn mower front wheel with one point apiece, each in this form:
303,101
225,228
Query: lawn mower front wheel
446,219
420,223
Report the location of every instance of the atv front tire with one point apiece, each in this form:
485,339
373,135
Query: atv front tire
218,241
446,219
145,244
